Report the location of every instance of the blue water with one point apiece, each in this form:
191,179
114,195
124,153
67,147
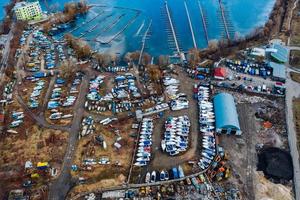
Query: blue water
2,10
243,16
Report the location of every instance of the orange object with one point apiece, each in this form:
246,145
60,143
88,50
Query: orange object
221,169
267,124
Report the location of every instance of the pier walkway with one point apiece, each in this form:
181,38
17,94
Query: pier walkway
120,31
203,22
190,24
144,43
95,26
172,28
224,19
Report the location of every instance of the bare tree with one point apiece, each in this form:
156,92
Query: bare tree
146,58
68,68
163,60
99,58
194,57
213,45
154,73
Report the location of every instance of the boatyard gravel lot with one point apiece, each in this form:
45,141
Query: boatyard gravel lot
161,160
242,149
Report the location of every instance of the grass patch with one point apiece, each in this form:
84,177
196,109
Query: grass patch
295,76
296,110
295,58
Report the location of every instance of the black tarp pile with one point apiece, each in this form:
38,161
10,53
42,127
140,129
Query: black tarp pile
275,163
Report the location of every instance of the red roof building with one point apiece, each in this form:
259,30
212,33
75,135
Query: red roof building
220,73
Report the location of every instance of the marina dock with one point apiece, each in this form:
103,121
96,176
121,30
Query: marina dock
204,22
121,31
190,24
144,42
94,27
224,19
172,28
87,22
110,26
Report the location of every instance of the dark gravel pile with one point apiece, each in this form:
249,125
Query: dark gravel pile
275,163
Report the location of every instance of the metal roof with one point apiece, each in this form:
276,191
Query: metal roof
278,70
282,53
225,111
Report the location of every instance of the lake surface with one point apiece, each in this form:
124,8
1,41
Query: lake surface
243,16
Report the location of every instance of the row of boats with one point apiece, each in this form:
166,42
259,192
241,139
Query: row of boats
94,87
18,119
125,87
34,97
164,175
145,143
157,176
206,121
176,135
179,100
88,126
171,86
57,100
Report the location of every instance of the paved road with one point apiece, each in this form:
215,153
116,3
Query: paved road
48,93
61,186
293,90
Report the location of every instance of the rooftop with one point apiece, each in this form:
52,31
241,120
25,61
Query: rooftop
24,3
278,70
281,54
225,110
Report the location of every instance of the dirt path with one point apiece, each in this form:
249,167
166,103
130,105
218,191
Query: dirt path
48,93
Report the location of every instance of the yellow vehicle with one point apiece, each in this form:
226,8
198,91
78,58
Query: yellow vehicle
30,64
35,175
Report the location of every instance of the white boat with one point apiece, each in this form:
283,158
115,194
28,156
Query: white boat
163,145
153,177
140,163
148,177
143,154
146,136
140,159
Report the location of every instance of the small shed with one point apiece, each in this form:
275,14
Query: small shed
227,121
220,73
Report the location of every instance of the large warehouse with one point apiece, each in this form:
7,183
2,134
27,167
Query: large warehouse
227,121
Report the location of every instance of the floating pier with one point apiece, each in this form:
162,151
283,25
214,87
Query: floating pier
86,22
119,32
172,28
95,26
109,27
224,19
144,42
204,22
141,27
190,24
